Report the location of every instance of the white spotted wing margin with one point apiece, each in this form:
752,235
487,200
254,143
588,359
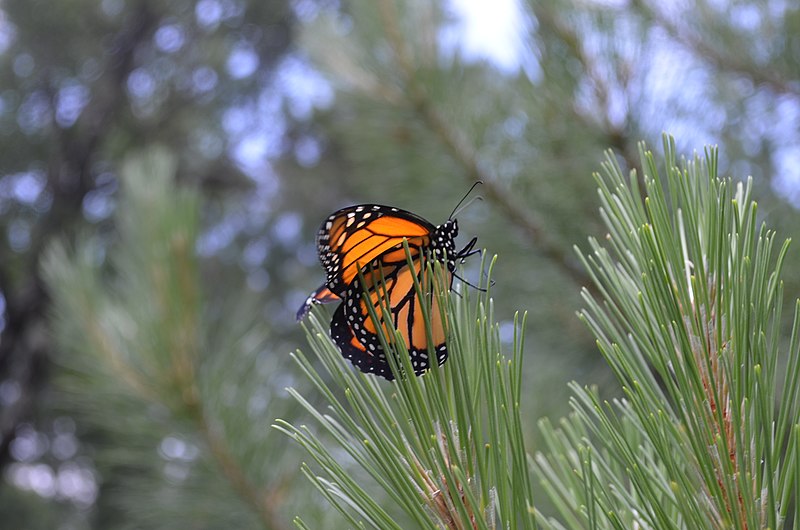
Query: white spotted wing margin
387,289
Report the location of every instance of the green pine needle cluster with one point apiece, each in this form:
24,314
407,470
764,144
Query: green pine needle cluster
177,392
687,313
445,448
688,316
686,309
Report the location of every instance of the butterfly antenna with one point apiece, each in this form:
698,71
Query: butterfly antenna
456,209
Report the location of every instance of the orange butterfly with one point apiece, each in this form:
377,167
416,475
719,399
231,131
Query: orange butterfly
369,238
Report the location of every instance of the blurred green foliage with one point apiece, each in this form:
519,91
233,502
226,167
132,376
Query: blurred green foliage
281,111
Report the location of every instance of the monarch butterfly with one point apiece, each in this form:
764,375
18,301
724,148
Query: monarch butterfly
369,238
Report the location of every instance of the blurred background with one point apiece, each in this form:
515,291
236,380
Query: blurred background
280,112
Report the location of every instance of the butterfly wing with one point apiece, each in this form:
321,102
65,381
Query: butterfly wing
355,332
322,295
355,236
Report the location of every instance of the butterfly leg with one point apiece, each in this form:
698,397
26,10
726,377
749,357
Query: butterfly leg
468,250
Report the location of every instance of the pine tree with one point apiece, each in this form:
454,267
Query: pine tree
179,392
414,120
689,320
686,312
178,434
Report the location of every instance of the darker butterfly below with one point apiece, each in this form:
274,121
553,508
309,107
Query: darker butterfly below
368,238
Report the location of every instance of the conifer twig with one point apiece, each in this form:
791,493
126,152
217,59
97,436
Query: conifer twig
262,502
464,154
688,319
443,450
616,136
184,348
158,358
725,62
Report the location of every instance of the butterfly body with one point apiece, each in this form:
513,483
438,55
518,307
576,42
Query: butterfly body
369,239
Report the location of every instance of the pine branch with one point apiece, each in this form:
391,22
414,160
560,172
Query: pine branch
69,179
416,97
724,62
443,450
616,137
263,502
688,317
142,342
